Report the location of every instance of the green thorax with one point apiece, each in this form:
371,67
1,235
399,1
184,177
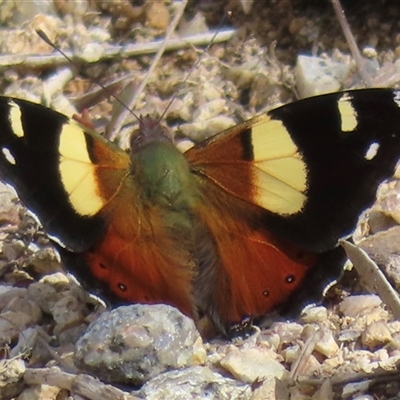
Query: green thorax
165,176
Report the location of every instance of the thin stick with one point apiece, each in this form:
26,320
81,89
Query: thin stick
111,132
351,42
305,353
373,276
131,50
354,377
80,384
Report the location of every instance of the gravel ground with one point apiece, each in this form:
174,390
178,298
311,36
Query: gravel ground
346,348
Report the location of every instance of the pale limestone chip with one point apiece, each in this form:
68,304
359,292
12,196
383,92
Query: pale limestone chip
248,365
353,306
327,345
376,334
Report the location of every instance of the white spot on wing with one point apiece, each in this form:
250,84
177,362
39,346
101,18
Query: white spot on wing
15,119
396,97
7,154
372,151
348,114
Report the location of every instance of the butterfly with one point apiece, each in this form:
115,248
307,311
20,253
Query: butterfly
235,227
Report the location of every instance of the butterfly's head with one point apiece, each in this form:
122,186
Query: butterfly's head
150,131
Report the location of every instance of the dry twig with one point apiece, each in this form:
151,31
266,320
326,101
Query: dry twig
351,42
125,51
83,385
373,276
118,121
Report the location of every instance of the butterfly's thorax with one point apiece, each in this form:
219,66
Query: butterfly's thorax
164,176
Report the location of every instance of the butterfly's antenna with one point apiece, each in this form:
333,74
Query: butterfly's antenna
44,37
217,31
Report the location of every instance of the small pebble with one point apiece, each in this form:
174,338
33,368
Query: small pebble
157,15
248,365
353,306
375,335
327,345
315,76
11,378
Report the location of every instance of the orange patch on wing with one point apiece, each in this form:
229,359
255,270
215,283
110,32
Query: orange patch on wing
111,168
270,273
137,260
222,161
257,272
106,154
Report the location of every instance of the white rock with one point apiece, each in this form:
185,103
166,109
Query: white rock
132,344
315,75
314,314
353,306
327,345
251,364
376,334
194,383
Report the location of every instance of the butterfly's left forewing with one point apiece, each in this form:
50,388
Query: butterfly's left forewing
55,165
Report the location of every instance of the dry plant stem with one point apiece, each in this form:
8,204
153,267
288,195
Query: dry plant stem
56,357
82,385
135,50
351,42
305,353
118,122
386,76
373,276
340,381
57,82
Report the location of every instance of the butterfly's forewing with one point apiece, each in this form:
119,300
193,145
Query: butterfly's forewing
313,165
53,164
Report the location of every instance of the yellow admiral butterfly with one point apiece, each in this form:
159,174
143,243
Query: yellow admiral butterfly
229,230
